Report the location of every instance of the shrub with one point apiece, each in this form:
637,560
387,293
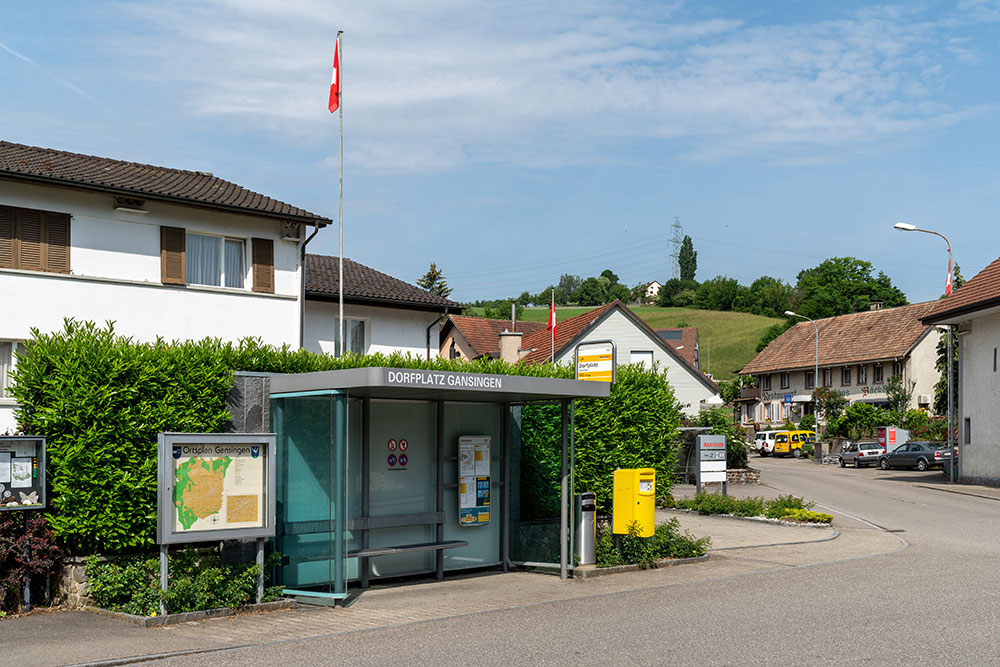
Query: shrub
197,581
716,503
808,423
15,539
667,541
806,516
780,506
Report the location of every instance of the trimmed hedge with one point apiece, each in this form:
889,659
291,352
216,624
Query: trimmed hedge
100,399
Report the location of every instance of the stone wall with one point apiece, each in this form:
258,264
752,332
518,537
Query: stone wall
73,587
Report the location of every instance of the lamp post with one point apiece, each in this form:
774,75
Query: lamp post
815,367
952,445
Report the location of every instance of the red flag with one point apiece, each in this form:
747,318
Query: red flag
335,82
947,283
552,318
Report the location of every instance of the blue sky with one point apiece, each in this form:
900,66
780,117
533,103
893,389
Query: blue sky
512,142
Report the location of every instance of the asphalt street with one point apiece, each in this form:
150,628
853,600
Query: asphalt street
909,576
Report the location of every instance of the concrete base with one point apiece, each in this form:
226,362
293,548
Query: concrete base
174,619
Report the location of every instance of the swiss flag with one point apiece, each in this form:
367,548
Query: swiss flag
335,83
947,283
552,319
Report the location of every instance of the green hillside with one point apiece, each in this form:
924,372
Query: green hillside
728,340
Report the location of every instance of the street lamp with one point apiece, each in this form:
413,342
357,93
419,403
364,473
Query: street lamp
815,367
952,445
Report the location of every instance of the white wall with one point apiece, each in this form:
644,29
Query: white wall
115,275
387,329
920,368
979,387
628,337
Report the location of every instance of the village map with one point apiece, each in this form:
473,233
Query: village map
217,492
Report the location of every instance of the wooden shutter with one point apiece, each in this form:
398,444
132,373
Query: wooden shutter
57,242
263,265
172,261
30,240
6,237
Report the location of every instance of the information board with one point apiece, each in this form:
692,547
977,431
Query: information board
474,480
22,472
596,361
711,459
215,486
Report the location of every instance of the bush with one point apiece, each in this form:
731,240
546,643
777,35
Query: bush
806,516
716,503
667,541
197,581
15,567
781,506
808,423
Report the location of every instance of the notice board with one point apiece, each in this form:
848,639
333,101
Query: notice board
474,480
22,472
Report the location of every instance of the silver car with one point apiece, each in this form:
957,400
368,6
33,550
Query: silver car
861,454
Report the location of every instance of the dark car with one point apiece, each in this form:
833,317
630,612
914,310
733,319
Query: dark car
919,454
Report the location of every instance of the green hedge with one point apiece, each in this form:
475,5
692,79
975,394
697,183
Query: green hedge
100,399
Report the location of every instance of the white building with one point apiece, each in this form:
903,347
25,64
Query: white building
160,252
975,310
635,342
857,353
381,314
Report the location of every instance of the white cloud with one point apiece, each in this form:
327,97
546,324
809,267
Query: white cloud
436,85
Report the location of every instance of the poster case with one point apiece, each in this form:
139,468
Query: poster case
22,472
474,480
215,486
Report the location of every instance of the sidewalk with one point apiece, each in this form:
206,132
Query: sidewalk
740,548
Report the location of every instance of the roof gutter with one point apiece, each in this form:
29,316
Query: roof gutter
432,325
302,287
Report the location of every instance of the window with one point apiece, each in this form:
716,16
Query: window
767,382
862,375
34,240
769,407
354,340
201,259
7,364
214,260
845,376
810,380
994,360
877,374
827,377
967,436
897,368
784,380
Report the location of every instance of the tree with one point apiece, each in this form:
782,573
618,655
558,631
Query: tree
673,287
775,331
843,285
719,293
593,292
829,402
770,296
433,281
687,259
898,394
568,285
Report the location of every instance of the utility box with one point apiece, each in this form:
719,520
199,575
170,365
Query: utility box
634,500
891,437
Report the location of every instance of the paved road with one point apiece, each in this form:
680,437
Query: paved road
928,592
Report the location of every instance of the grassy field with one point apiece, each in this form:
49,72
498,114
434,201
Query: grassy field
728,340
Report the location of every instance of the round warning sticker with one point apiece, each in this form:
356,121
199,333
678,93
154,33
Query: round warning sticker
391,445
403,444
402,459
392,459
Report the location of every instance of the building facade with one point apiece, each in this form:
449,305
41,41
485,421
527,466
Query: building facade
858,353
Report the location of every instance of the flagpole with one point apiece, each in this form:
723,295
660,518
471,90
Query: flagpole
340,263
552,359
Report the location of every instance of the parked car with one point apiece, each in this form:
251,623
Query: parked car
764,442
861,454
790,442
919,454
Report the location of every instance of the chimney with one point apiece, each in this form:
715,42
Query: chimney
510,346
875,305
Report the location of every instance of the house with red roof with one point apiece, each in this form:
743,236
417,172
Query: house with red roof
635,341
974,309
855,353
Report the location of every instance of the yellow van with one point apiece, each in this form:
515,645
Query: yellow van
790,442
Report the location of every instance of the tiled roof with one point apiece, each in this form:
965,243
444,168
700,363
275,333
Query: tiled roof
541,341
683,340
363,284
21,162
845,339
484,334
983,291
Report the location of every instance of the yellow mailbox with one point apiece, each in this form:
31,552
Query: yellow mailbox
634,500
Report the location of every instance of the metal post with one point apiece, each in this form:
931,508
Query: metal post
366,448
563,495
163,576
439,494
260,564
951,423
505,516
27,559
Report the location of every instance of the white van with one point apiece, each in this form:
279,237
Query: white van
763,442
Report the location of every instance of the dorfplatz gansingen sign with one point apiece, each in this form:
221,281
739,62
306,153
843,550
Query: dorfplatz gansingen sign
438,379
215,486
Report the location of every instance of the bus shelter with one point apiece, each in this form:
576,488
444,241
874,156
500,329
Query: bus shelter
387,472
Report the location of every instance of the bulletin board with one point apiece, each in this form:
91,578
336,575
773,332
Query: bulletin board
474,480
22,472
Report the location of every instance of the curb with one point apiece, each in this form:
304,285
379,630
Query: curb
592,571
187,617
757,519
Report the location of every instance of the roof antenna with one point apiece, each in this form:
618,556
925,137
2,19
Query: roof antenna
513,314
